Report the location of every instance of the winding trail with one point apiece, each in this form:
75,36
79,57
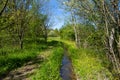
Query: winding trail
66,71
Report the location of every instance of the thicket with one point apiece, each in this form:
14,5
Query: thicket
23,32
103,15
21,21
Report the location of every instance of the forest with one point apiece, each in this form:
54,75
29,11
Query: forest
85,47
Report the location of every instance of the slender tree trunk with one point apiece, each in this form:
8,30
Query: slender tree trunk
21,34
21,39
21,44
45,34
111,38
111,45
113,51
77,37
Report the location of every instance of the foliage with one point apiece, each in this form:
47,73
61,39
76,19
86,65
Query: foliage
21,27
89,36
54,33
66,32
20,20
89,64
96,40
104,16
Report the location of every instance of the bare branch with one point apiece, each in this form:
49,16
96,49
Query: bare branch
3,8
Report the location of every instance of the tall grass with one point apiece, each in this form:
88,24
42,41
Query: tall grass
89,65
11,58
51,67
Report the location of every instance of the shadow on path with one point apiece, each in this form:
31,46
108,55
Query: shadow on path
25,71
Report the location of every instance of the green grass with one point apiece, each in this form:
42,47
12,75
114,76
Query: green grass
89,65
51,67
15,60
71,43
11,58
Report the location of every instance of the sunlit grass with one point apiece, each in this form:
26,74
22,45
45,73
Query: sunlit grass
51,67
88,65
53,38
70,43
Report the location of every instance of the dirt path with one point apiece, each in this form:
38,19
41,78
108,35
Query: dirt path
24,72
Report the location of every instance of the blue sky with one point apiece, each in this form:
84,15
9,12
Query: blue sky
56,13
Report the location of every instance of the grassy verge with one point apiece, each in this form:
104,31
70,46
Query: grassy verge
51,67
89,65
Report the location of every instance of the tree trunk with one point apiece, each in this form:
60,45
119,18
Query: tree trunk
21,35
113,50
21,41
77,37
111,38
45,34
21,44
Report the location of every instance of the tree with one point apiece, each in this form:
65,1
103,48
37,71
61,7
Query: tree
70,5
104,16
67,32
17,21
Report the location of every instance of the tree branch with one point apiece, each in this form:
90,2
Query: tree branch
3,8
